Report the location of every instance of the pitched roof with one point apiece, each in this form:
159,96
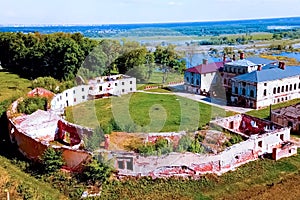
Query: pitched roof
243,63
260,61
269,74
206,68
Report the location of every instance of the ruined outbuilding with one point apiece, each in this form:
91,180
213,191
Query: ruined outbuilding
288,116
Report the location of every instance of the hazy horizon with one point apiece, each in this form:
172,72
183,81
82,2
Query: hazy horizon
93,12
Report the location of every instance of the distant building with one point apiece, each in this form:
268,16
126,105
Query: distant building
241,66
200,79
267,85
96,88
288,117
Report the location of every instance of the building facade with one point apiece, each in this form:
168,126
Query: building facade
268,85
202,78
96,88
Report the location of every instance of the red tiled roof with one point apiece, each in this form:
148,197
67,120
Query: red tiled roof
208,68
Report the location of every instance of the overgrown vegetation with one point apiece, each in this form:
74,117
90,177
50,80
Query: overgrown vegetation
31,104
92,142
52,160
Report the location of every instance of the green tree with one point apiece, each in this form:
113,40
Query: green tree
52,160
96,172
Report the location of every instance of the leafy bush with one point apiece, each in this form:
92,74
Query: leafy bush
25,191
161,146
184,143
52,160
93,142
96,172
196,147
31,104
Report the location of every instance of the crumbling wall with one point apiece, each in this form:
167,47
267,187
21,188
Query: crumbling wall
76,132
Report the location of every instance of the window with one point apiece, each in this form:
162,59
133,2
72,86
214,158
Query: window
295,86
82,89
282,89
130,89
187,79
274,90
260,143
204,75
197,82
60,97
74,99
116,84
278,90
244,84
265,92
291,87
83,97
121,164
251,93
265,84
281,137
299,86
243,91
123,83
236,90
100,88
73,91
130,82
123,90
286,88
66,94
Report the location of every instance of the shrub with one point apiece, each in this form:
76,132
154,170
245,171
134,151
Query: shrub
48,83
96,171
184,143
31,104
93,142
52,160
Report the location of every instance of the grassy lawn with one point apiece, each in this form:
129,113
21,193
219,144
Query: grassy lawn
264,113
12,85
23,186
157,78
254,180
143,112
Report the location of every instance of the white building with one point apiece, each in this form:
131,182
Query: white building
96,88
268,85
200,79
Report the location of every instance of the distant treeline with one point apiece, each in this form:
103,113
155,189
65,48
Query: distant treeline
169,29
63,55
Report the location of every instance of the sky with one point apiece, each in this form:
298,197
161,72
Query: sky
140,11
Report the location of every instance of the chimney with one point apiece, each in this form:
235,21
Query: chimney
259,67
242,56
204,61
283,65
224,58
233,57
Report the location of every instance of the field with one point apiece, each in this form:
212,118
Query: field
145,112
157,77
12,85
23,186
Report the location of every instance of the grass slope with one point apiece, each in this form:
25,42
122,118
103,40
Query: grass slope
12,85
23,186
144,112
